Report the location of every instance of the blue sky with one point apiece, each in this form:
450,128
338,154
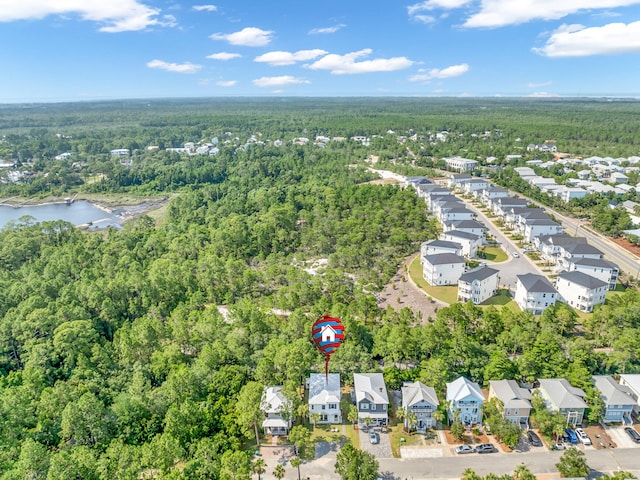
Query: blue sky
61,50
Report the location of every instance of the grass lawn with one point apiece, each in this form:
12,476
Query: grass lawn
501,299
396,434
495,254
446,294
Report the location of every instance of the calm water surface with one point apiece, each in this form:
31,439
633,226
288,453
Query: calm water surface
78,213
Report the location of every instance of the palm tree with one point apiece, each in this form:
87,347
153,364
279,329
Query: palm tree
401,414
412,419
352,415
296,462
279,472
259,466
315,418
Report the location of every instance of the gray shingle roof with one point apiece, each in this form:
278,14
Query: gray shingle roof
612,392
370,386
466,224
536,283
460,234
443,244
416,392
582,249
478,274
595,262
443,259
562,393
582,279
561,239
511,394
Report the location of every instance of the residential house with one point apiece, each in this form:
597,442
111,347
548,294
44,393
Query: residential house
433,247
500,205
457,179
465,400
422,401
442,269
120,152
439,204
580,290
560,396
632,381
618,399
568,193
455,213
371,398
618,177
478,285
470,226
277,411
597,267
460,164
573,251
551,246
534,293
469,241
537,227
474,185
324,397
492,193
516,400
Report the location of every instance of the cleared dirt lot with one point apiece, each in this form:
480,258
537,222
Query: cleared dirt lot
401,292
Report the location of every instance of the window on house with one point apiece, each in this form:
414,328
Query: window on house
373,406
323,407
333,406
364,406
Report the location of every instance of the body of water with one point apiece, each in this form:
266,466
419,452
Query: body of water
78,213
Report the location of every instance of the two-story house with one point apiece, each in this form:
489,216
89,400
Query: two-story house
632,381
618,399
422,401
469,241
560,396
277,411
597,267
552,246
571,252
372,399
469,226
324,397
442,268
516,400
433,247
478,285
465,400
580,290
534,293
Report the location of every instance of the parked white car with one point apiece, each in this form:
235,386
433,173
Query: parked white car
582,435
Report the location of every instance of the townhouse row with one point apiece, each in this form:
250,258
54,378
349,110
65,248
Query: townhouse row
464,400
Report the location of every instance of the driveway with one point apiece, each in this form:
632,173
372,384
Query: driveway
620,437
380,450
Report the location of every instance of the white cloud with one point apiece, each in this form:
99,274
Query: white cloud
278,81
226,83
247,37
346,64
437,73
579,41
436,4
538,85
205,8
279,58
499,13
115,16
186,67
424,18
543,95
333,29
223,56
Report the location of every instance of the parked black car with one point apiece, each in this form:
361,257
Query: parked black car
635,436
534,439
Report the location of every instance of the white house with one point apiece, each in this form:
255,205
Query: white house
470,226
580,290
491,193
422,401
277,411
465,400
537,227
618,399
551,246
573,251
597,267
478,285
455,213
473,185
534,293
468,241
516,400
443,269
371,398
457,179
632,381
618,177
460,164
569,193
324,397
433,247
119,152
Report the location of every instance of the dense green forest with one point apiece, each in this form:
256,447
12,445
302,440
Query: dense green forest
115,362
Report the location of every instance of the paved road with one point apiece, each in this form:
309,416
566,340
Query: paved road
627,261
452,467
